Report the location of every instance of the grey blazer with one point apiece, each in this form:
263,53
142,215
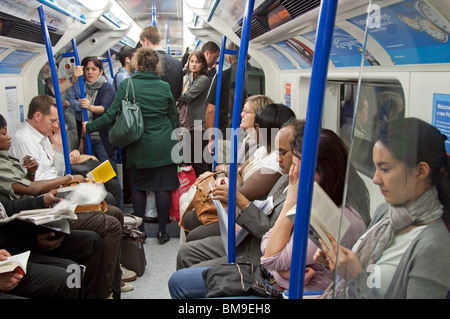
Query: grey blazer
195,97
210,251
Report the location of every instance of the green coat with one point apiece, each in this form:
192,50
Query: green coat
159,112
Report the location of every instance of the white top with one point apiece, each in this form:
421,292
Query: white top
261,160
389,260
28,141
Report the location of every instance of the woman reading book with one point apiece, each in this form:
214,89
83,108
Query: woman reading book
406,251
277,244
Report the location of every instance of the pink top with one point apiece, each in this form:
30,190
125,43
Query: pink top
323,276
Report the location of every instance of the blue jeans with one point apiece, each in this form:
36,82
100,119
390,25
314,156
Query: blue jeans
188,283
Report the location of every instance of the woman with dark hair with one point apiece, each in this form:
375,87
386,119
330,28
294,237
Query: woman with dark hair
277,243
407,243
99,96
192,111
149,162
257,176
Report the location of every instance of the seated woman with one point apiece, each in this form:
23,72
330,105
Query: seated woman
407,242
330,174
277,243
257,176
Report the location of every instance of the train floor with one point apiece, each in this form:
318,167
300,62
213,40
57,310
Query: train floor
161,264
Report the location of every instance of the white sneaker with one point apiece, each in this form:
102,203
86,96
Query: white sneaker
124,287
127,275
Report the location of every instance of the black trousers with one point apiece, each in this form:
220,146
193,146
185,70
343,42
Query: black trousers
47,272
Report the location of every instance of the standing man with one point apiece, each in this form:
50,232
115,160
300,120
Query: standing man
126,70
150,37
226,102
212,52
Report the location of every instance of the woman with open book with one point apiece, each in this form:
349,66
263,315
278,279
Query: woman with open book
406,251
277,244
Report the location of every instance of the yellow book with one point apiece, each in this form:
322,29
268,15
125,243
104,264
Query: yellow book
102,173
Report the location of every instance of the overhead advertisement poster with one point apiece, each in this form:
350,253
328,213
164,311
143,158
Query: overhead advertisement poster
441,116
279,58
345,50
411,32
14,62
299,51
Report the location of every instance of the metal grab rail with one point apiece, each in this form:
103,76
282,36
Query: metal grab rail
310,145
84,112
242,64
51,61
223,51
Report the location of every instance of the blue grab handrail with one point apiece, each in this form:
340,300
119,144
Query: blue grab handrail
223,51
111,70
51,61
83,94
217,106
56,7
239,90
154,13
324,36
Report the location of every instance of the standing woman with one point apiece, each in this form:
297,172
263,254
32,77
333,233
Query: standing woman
192,109
407,246
99,96
149,161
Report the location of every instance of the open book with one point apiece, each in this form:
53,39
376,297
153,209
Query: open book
43,220
325,218
17,263
102,173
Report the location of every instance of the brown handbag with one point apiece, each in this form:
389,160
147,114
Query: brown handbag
202,204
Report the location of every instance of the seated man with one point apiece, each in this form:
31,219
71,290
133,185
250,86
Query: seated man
40,137
47,269
210,251
14,184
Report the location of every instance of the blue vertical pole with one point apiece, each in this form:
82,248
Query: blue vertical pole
154,13
242,64
111,71
83,94
310,145
51,61
168,35
217,106
223,51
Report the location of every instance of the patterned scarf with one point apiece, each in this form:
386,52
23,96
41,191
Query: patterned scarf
426,209
93,87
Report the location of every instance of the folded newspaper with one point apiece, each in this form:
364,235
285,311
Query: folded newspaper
57,219
325,218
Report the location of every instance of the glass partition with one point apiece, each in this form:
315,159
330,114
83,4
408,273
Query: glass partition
392,120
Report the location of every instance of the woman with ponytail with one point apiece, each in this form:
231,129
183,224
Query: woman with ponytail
406,251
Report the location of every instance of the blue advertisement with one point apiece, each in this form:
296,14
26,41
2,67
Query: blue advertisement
411,32
345,50
14,62
298,51
441,116
279,58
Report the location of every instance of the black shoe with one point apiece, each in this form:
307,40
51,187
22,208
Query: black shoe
163,237
151,220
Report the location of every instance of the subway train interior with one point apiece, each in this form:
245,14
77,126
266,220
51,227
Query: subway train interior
349,66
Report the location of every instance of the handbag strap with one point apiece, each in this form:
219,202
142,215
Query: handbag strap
132,90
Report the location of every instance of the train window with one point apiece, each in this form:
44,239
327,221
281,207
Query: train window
377,103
